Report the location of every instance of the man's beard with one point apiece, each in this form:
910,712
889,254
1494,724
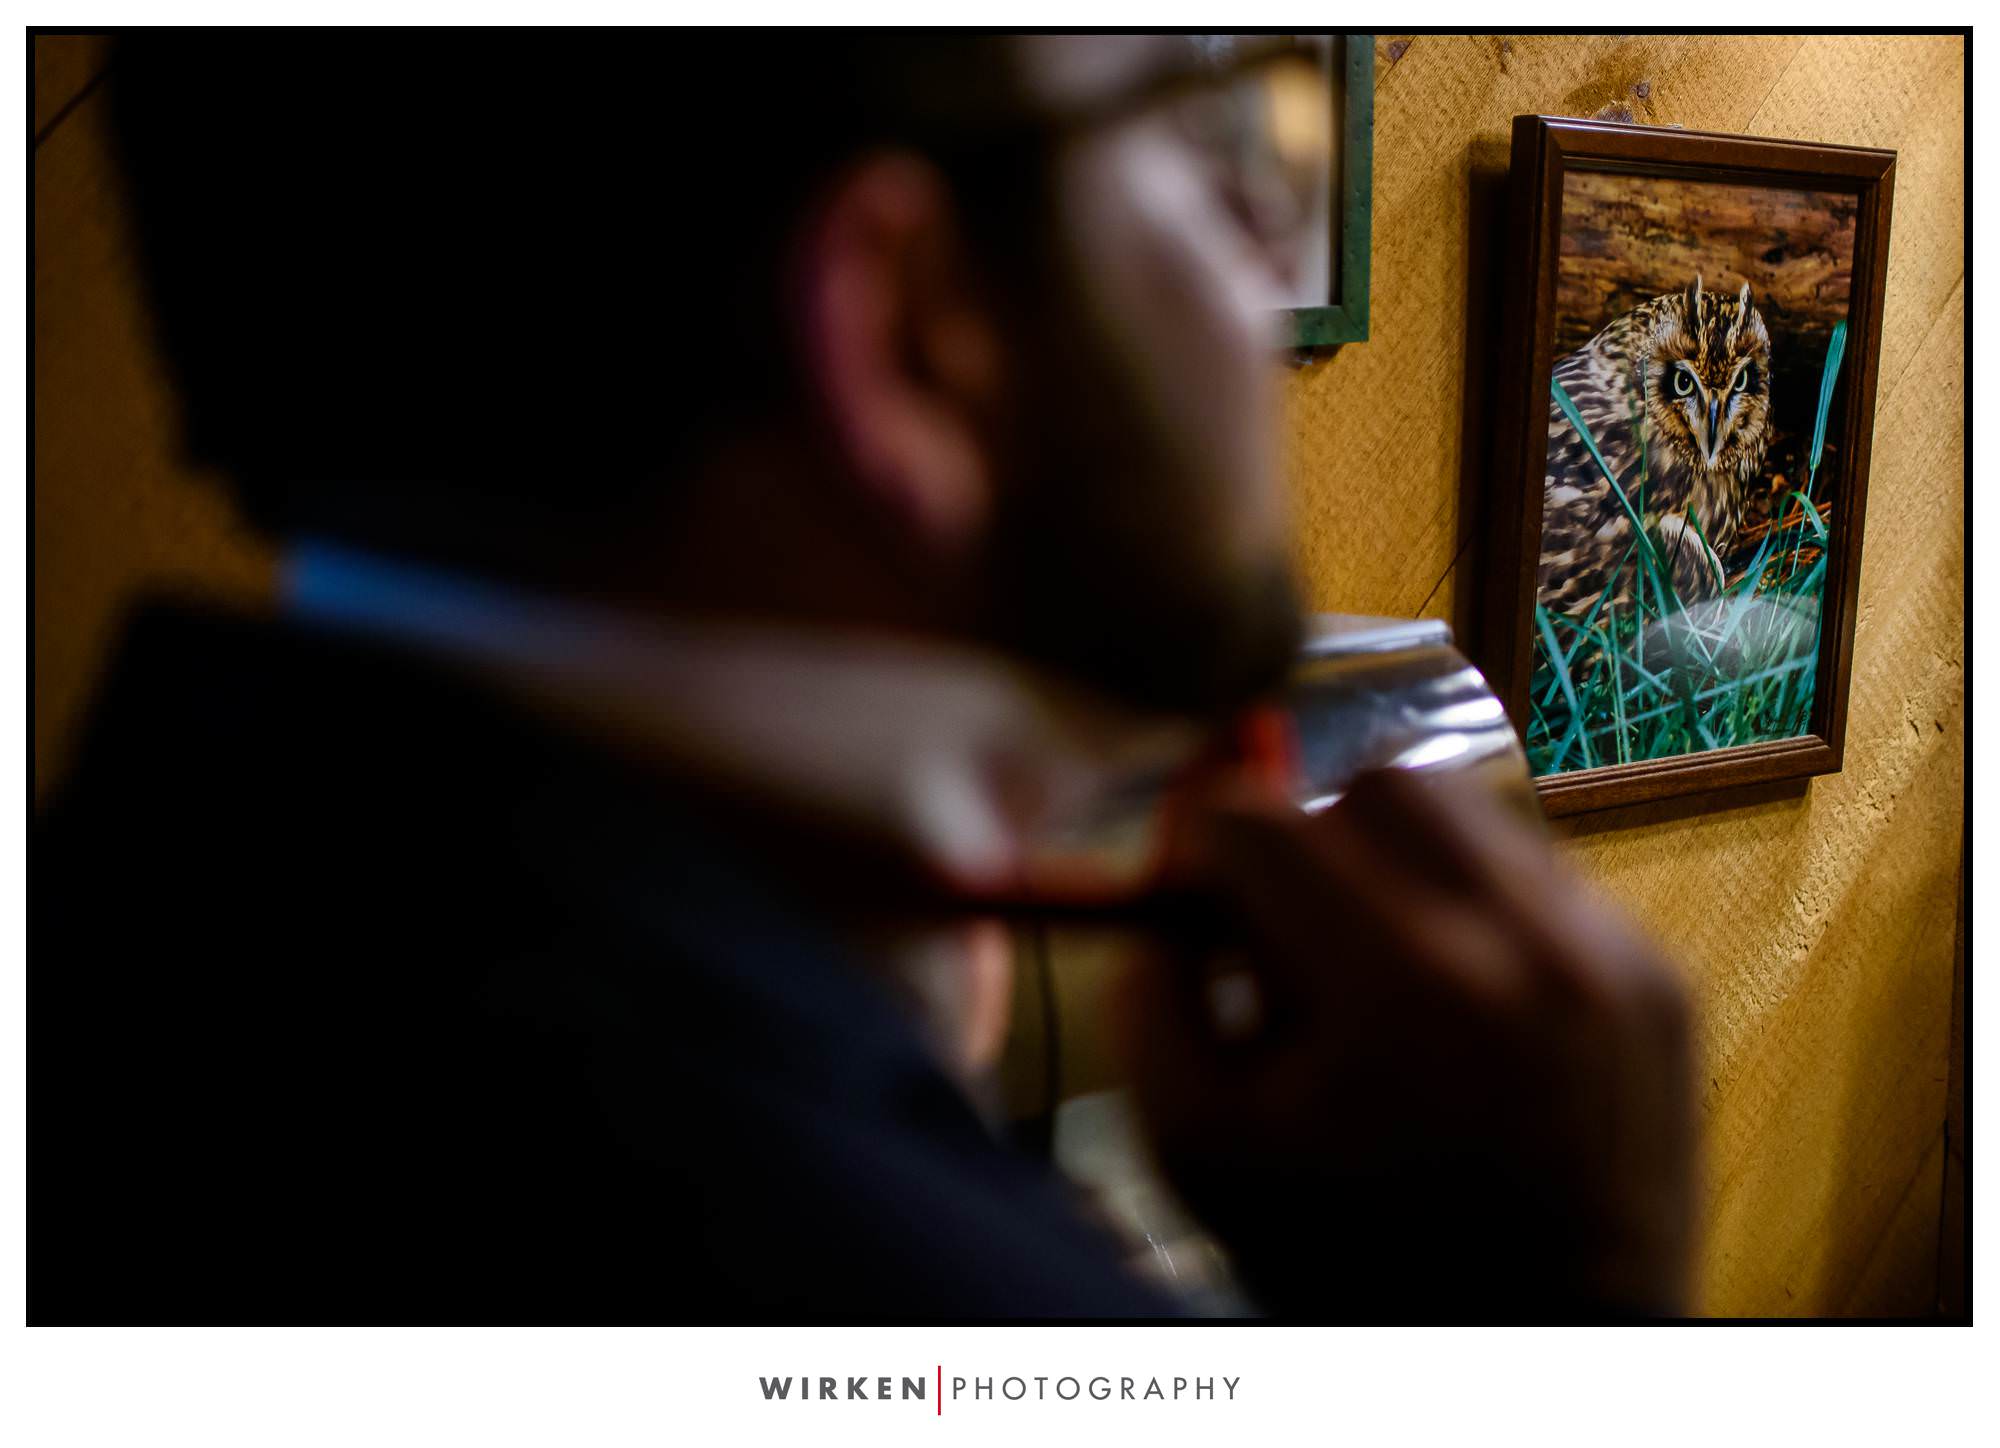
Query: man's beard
1120,600
1107,559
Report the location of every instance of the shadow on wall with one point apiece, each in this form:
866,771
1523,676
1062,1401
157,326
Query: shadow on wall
1486,217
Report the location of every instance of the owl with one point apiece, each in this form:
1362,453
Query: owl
1677,396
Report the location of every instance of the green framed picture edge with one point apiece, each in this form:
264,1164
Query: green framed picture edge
1345,317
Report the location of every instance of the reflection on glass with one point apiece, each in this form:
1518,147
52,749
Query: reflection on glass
1277,133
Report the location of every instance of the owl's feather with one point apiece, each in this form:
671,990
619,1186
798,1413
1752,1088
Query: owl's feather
1672,456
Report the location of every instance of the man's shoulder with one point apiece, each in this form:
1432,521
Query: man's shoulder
426,1019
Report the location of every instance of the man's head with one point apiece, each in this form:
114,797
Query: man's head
977,327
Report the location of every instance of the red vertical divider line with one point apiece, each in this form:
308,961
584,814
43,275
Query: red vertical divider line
940,1390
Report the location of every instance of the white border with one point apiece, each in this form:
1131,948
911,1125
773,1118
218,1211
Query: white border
1646,1386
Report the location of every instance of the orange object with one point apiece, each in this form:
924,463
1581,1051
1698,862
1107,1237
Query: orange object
1260,747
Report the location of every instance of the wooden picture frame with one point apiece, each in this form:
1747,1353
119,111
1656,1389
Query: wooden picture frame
1344,316
1549,153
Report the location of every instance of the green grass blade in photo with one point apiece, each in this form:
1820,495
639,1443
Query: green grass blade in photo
1643,675
1836,346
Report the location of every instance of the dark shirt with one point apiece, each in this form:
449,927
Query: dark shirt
357,994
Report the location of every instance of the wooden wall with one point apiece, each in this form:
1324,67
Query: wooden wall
1818,930
113,512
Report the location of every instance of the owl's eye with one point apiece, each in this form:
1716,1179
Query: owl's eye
1743,380
1683,383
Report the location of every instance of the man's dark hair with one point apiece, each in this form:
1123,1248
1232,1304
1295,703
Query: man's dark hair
396,276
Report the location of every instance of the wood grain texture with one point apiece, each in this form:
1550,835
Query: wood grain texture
1625,241
1954,1298
65,66
1816,926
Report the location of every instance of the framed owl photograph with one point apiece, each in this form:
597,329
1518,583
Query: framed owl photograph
1684,403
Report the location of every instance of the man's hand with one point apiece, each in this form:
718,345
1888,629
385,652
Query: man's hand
1422,1074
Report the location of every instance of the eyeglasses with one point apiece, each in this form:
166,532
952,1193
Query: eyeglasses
1257,111
1265,130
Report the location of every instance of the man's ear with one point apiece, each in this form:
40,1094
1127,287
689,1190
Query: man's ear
898,348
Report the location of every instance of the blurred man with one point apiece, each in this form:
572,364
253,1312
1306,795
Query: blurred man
736,494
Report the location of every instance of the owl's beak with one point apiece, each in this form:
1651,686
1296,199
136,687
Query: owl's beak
1714,429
